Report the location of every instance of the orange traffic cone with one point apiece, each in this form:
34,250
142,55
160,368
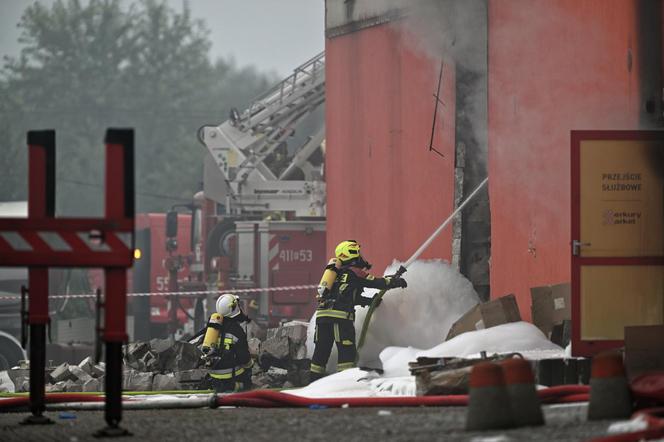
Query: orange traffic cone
609,392
526,408
489,406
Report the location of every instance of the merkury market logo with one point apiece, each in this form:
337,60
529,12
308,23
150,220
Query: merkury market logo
620,217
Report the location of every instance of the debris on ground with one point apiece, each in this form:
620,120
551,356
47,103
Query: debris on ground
164,365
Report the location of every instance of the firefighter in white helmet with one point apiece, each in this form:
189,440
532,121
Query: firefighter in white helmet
226,351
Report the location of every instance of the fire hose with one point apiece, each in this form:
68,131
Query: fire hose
647,389
376,300
272,399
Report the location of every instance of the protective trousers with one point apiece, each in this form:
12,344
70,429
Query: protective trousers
329,331
238,383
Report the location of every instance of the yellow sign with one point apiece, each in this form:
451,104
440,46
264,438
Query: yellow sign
622,198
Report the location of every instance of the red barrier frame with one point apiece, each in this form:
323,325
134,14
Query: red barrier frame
110,245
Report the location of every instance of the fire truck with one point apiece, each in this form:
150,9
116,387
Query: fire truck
261,212
259,220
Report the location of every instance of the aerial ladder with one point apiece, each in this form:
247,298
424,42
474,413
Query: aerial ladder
259,170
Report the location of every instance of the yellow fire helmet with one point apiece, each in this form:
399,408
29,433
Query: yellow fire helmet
347,251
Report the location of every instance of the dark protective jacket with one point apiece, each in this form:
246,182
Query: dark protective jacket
232,356
346,293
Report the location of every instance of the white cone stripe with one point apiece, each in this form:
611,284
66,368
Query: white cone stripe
16,241
55,241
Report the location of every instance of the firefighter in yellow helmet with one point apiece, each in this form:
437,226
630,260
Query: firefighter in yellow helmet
339,292
225,348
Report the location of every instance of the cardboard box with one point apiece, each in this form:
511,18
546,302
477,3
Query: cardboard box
644,349
487,314
551,305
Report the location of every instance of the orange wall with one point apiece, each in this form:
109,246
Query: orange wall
553,67
384,188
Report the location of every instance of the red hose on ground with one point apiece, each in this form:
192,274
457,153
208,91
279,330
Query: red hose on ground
288,400
564,394
648,386
558,394
270,398
51,398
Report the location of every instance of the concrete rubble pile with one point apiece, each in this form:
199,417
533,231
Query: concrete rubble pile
282,357
86,376
162,365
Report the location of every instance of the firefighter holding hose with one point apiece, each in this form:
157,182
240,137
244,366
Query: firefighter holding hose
225,348
340,290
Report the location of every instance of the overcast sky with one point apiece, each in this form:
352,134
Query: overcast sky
275,35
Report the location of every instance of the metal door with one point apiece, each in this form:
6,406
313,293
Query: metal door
617,235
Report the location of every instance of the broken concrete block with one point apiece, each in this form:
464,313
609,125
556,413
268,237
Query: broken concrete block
55,388
6,383
195,375
71,386
296,331
137,381
164,351
22,385
88,366
80,376
164,382
148,362
134,352
126,378
298,351
91,384
254,346
16,373
261,380
189,356
61,373
277,347
277,375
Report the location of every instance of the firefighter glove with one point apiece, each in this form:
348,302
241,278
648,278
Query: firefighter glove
398,282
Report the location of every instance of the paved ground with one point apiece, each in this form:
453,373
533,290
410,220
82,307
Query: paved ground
564,423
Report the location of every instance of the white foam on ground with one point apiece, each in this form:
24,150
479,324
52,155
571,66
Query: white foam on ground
357,383
521,337
412,320
419,315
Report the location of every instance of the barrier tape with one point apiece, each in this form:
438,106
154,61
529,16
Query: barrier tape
182,293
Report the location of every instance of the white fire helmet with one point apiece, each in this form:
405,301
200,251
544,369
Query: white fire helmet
228,305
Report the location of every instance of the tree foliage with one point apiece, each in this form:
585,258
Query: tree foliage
86,66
